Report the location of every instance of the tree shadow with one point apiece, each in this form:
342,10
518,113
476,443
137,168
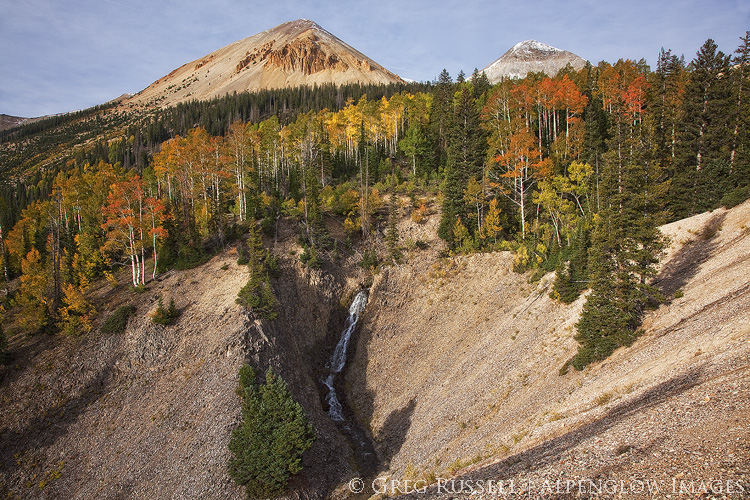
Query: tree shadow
393,433
552,450
684,265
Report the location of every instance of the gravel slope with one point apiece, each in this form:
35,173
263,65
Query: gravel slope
456,374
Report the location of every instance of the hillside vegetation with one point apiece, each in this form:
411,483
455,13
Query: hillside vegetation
523,299
455,373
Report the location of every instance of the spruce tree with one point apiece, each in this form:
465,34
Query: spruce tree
739,107
258,294
625,249
268,445
572,276
704,138
482,85
466,151
440,115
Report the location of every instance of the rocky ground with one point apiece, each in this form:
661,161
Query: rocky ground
148,414
457,375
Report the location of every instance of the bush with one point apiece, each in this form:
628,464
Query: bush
118,320
257,294
369,259
268,445
164,316
310,258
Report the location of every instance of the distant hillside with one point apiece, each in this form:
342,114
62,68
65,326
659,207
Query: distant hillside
289,55
7,121
531,56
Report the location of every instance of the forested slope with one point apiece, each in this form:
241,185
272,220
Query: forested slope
437,193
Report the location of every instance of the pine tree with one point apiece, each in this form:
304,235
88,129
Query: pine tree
268,445
625,249
258,294
441,115
466,151
739,159
481,84
572,276
704,139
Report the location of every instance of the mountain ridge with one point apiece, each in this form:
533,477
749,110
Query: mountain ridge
291,54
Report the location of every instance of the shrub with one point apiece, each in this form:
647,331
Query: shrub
257,294
164,316
310,258
735,197
118,320
268,445
369,259
77,312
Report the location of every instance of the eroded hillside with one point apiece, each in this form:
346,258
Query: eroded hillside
457,373
454,371
148,413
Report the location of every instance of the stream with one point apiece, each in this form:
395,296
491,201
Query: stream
363,448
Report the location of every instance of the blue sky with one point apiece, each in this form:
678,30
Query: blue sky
60,56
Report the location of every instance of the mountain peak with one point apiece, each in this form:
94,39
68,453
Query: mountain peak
294,53
532,47
297,27
531,56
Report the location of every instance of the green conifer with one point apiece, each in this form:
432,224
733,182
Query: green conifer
268,445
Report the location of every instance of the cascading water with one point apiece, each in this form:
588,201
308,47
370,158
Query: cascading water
338,359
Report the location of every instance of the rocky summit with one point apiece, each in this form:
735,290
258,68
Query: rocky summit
289,55
531,56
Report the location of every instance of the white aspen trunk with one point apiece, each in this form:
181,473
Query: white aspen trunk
133,267
523,214
153,275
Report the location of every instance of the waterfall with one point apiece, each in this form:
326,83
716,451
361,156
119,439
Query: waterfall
338,359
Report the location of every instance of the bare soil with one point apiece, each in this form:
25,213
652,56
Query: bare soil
148,414
456,374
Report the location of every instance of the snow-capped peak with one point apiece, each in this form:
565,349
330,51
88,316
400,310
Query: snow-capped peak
533,45
531,55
